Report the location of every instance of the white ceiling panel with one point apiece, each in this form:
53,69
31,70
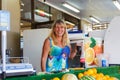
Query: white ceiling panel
104,10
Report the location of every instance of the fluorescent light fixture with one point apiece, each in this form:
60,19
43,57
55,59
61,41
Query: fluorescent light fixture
70,23
94,19
21,9
22,4
42,13
117,4
71,7
98,25
21,23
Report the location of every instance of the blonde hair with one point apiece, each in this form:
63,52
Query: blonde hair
65,39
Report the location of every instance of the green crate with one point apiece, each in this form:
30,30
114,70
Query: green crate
117,75
104,70
109,70
112,71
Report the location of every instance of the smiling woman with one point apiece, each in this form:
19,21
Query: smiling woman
56,49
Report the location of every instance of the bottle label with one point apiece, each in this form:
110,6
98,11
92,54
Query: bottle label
104,63
82,60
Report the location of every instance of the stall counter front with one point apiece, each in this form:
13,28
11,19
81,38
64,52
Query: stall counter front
112,71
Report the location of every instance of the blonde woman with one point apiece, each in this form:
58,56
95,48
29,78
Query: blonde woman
56,48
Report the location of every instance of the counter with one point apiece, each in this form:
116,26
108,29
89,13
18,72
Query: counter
112,71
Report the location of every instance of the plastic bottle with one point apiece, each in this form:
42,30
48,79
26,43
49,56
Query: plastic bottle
104,61
82,60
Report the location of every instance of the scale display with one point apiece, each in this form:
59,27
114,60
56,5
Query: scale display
4,20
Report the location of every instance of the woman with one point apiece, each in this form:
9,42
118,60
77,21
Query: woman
56,49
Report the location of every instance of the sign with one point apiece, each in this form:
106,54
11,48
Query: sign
4,20
93,49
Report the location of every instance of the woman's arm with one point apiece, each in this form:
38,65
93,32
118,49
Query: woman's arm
73,51
45,52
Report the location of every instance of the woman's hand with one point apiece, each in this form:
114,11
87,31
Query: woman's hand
73,54
74,49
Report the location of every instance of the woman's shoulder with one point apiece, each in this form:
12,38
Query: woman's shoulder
47,40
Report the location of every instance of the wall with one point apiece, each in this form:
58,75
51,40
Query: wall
13,36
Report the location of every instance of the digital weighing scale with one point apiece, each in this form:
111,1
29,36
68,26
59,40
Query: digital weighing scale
10,69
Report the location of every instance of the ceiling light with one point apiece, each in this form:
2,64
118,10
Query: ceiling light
94,19
70,23
21,23
21,9
22,4
117,4
98,25
42,13
71,7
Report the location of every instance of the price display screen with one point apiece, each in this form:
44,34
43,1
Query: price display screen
4,20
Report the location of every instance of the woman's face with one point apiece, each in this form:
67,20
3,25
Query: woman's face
59,30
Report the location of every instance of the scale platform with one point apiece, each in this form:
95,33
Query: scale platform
18,69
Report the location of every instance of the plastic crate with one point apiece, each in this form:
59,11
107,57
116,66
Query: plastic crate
112,71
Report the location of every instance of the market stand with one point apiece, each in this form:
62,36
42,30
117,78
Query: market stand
112,70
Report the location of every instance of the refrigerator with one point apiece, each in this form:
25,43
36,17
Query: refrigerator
32,45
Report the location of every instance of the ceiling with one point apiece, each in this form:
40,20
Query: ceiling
104,10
